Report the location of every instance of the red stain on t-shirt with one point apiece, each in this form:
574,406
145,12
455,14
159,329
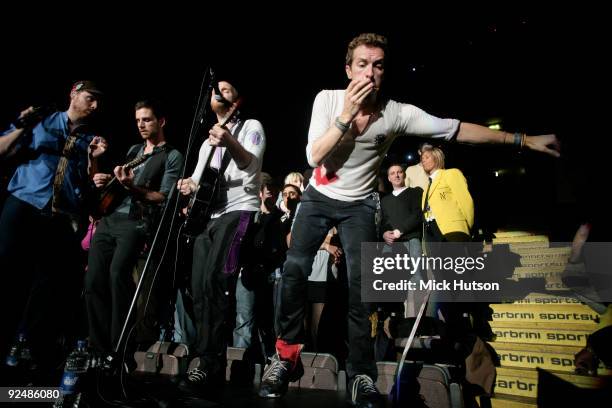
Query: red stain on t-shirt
323,177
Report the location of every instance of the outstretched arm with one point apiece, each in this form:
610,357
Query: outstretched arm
8,142
472,133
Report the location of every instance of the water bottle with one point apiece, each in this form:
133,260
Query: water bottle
19,351
76,367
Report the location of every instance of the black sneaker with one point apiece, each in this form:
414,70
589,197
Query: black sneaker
363,392
277,376
204,377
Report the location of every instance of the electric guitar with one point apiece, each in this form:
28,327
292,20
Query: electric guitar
113,193
200,206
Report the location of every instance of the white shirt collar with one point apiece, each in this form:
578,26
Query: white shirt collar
398,191
434,174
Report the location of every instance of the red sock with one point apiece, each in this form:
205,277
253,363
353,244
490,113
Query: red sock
288,352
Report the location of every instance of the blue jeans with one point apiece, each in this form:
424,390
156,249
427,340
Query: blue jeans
356,224
245,315
184,327
414,250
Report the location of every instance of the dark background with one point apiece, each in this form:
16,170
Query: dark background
529,72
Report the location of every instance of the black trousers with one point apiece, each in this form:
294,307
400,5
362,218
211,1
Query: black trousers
356,224
109,285
433,237
453,312
213,282
42,271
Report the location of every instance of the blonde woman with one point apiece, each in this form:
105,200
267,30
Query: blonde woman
448,207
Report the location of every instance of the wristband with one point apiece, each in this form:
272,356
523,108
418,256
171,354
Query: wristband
343,127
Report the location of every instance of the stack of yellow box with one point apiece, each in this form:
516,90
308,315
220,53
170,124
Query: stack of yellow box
542,330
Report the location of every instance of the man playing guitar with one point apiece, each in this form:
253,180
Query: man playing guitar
121,235
238,153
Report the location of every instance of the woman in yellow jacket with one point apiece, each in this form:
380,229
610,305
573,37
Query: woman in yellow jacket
449,216
447,204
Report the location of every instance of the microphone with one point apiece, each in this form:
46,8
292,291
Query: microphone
215,84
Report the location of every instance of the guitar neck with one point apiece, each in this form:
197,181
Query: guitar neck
110,185
231,114
133,163
128,166
136,162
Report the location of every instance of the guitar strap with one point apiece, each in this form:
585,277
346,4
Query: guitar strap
60,172
226,156
133,152
62,166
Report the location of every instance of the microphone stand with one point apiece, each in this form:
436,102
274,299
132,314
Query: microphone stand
197,124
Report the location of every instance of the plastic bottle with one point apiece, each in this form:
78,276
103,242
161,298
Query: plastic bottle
76,367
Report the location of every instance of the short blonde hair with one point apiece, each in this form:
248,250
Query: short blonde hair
437,154
294,176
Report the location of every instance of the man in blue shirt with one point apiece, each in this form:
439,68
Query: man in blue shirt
38,224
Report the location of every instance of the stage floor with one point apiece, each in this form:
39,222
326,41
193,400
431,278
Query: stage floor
164,392
150,391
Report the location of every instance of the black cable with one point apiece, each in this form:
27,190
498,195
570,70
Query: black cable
198,120
195,128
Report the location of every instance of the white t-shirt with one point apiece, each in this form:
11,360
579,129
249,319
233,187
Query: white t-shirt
349,172
239,189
